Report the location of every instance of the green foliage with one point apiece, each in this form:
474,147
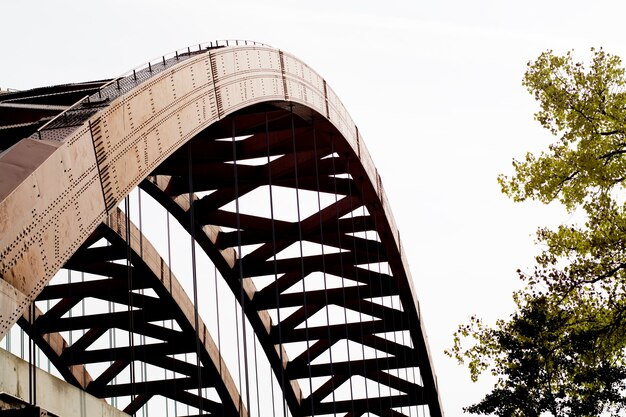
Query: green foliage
562,353
586,110
564,359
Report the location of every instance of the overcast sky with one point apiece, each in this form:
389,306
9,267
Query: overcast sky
434,87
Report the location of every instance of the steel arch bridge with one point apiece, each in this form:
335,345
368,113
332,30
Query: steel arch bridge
263,172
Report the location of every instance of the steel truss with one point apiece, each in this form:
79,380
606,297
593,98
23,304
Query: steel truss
222,137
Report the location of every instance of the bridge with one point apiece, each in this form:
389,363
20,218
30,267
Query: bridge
205,235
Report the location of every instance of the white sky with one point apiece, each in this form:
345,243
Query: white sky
435,88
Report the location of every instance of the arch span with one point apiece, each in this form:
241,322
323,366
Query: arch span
202,131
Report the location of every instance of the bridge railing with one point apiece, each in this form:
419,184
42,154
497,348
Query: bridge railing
79,112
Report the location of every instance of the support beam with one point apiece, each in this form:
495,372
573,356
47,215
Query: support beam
53,395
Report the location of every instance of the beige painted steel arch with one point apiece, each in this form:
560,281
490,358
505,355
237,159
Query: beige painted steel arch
58,186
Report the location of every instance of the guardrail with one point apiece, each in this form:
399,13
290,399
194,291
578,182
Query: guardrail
80,111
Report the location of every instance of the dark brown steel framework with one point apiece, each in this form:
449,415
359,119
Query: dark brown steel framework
150,316
199,185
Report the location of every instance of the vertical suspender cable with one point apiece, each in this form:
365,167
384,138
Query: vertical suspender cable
34,353
280,339
358,290
382,292
414,343
272,392
319,210
32,378
169,262
7,339
217,316
8,336
112,343
142,336
70,337
30,366
300,237
242,294
38,357
129,276
239,368
406,372
22,355
256,378
47,309
415,361
192,234
34,356
82,302
341,269
377,260
69,313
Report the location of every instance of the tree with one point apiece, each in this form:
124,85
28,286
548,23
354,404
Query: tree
562,353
